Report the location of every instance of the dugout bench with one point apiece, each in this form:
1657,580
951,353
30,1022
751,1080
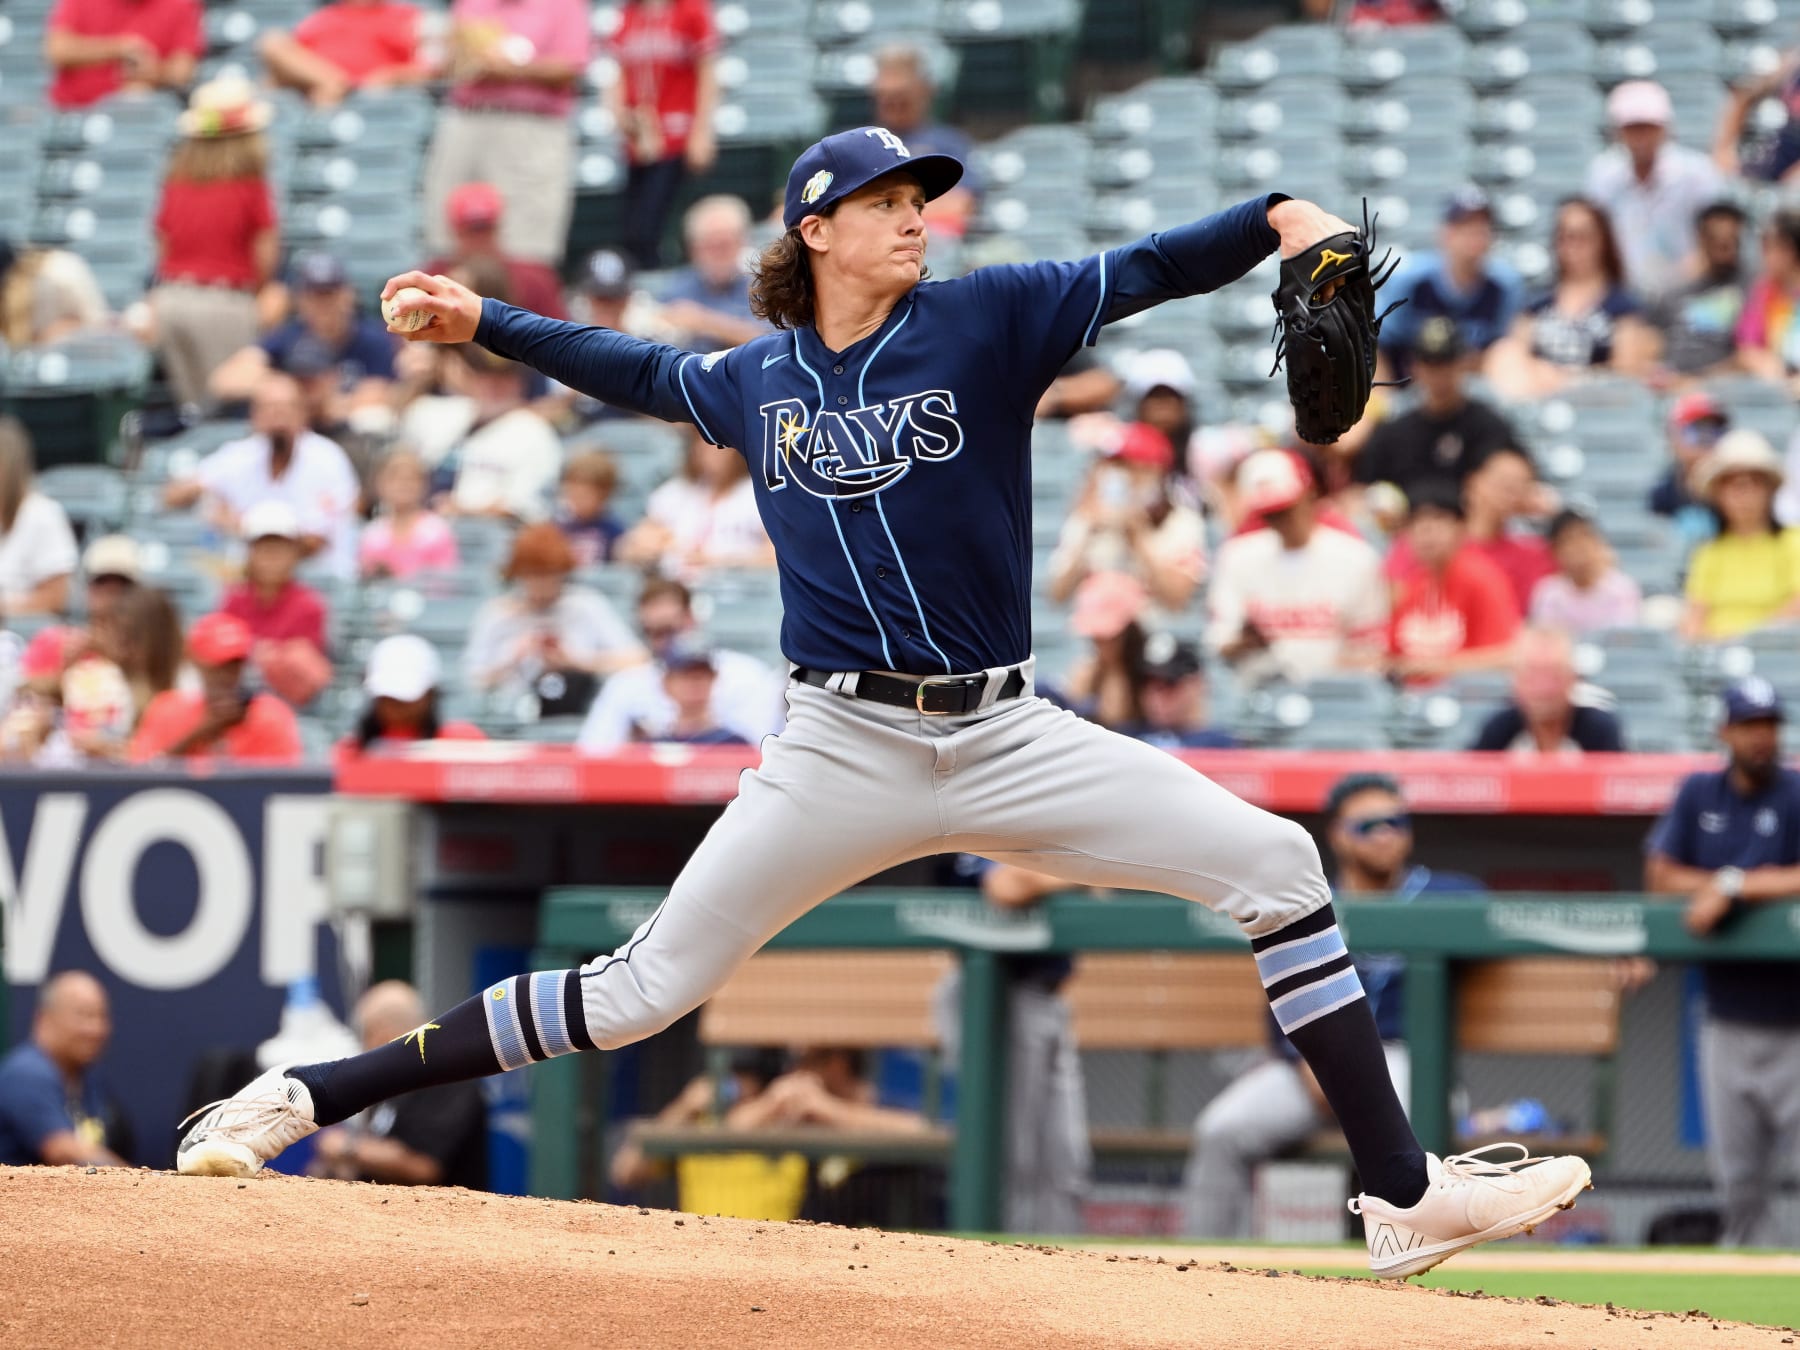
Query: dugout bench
1529,1010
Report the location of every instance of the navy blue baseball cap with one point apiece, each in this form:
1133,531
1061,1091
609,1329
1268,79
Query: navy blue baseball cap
830,170
1752,700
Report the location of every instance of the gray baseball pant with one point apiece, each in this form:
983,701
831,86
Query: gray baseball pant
1750,1084
852,787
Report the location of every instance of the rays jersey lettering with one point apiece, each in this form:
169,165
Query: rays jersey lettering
860,451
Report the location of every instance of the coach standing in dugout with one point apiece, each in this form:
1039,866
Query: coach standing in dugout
1731,838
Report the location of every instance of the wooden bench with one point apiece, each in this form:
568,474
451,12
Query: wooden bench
1156,1003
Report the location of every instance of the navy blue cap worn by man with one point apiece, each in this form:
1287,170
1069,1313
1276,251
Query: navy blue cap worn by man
837,166
1465,202
1752,700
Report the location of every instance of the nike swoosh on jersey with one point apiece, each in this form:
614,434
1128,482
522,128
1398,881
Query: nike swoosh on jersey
771,360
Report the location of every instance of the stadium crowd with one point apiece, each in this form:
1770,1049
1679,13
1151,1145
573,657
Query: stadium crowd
1203,565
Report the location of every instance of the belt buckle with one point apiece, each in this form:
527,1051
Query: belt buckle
929,681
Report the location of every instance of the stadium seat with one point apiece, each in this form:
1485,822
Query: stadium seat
1384,57
1310,52
94,495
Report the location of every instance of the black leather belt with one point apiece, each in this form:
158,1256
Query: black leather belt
933,695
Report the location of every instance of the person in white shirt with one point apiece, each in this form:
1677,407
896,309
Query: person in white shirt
37,547
543,627
281,461
747,697
1652,189
1295,599
703,517
505,456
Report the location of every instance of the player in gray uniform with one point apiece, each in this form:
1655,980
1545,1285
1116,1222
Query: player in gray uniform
887,426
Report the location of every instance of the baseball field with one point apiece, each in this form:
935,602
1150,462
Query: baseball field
148,1259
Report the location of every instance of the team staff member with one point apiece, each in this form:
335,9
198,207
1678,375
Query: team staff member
1732,838
901,525
51,1110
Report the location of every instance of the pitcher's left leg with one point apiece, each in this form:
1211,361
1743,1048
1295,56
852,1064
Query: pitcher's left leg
1049,791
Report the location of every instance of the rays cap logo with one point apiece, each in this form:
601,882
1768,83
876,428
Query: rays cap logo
830,170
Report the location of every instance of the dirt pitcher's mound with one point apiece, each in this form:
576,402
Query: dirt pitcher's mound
148,1259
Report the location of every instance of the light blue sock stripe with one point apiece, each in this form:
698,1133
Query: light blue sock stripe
502,1004
1278,962
547,1012
1295,1010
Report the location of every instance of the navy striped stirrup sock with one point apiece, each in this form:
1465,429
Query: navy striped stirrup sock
516,1022
1317,998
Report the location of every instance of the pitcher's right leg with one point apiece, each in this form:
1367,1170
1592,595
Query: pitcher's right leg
834,801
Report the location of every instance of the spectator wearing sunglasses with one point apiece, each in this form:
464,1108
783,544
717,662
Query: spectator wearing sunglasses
1277,1104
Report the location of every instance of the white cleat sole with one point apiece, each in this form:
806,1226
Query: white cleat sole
1422,1259
217,1158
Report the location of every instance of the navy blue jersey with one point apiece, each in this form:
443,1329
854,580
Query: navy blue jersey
894,477
1711,825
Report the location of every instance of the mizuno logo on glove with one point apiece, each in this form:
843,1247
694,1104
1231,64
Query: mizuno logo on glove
1326,259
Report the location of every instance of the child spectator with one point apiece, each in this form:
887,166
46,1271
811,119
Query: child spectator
689,675
216,235
584,507
402,683
285,617
221,717
1749,576
1587,592
1456,611
100,47
353,44
406,536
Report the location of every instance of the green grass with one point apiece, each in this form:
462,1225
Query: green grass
1770,1300
1773,1300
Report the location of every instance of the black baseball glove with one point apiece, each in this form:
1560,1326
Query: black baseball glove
1328,326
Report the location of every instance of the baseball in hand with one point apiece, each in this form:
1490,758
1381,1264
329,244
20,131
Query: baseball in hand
405,323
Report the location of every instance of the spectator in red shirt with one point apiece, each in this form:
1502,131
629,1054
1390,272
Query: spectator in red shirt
353,44
1497,494
101,47
663,101
286,617
216,235
221,717
474,212
1456,612
402,683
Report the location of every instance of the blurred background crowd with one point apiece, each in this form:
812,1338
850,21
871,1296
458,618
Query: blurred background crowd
238,519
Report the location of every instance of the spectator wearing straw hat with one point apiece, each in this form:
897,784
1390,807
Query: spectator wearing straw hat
1749,576
99,48
223,718
216,235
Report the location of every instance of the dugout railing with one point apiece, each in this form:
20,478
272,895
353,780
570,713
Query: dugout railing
1434,937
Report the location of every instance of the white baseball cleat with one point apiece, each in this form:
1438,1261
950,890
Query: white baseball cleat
1470,1199
235,1137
